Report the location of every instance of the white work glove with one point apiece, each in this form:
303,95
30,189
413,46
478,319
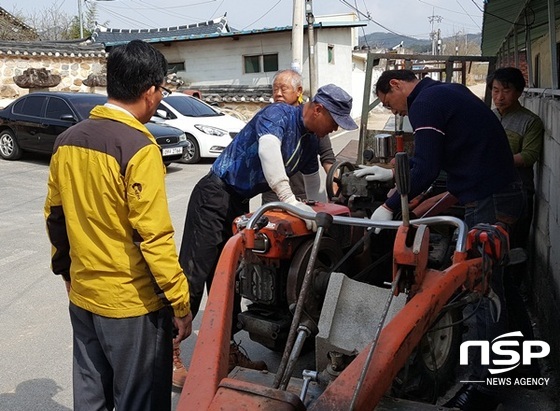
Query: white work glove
374,173
310,224
382,213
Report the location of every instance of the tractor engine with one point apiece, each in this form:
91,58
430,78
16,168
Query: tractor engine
270,275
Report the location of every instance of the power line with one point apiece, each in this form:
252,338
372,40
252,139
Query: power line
368,16
460,5
269,10
146,7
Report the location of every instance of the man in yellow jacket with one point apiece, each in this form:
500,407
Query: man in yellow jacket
112,242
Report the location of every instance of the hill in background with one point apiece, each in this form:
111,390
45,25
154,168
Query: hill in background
467,44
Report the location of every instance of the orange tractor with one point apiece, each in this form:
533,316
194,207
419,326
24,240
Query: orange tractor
381,312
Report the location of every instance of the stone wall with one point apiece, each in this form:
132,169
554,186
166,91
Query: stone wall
72,68
544,248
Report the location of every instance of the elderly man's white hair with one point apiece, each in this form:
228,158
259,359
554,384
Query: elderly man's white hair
295,77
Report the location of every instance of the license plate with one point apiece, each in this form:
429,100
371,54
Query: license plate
172,151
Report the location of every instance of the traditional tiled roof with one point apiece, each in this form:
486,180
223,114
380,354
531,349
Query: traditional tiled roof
16,25
206,30
51,48
238,93
113,37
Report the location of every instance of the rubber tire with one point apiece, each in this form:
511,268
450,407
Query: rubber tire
9,148
191,153
419,380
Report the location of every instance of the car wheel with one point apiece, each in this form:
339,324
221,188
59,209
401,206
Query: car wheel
191,152
9,149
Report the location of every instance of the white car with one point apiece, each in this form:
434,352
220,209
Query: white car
208,130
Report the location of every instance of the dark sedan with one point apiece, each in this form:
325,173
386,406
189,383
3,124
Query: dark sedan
32,123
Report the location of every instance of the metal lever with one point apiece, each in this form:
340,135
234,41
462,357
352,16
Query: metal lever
399,133
283,373
402,178
308,376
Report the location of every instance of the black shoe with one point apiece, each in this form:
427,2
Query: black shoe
469,398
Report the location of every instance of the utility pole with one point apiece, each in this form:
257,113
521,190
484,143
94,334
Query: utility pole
81,18
433,18
297,36
311,40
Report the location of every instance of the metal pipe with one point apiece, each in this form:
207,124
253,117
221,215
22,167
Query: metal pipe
303,333
323,221
365,222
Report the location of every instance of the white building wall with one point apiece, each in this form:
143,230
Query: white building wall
219,61
338,72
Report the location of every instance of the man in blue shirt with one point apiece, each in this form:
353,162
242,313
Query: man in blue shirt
456,132
278,142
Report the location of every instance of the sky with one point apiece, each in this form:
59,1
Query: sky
415,18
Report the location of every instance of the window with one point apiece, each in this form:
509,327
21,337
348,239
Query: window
260,63
536,71
270,62
175,67
189,106
30,106
330,54
56,108
252,64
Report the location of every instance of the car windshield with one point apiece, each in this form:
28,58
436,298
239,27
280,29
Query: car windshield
191,107
83,104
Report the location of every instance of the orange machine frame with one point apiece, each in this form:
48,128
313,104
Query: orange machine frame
209,364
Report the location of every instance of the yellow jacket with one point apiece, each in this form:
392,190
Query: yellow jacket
108,220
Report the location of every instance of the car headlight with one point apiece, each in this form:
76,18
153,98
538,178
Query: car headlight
213,131
183,137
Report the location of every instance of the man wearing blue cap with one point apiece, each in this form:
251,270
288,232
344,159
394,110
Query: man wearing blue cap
279,141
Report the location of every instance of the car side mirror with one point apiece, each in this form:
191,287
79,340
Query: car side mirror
68,117
162,113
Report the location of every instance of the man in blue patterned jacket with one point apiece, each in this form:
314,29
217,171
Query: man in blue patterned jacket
279,141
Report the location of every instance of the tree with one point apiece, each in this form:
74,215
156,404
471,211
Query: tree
52,23
12,27
89,21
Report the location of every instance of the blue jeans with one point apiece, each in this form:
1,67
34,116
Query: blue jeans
506,207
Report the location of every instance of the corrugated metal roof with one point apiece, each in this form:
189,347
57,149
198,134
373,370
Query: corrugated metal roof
501,17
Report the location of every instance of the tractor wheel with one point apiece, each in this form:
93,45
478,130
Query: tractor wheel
430,370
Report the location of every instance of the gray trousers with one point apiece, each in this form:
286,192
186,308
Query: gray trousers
122,363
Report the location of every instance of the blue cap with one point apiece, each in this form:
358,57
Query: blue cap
339,103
